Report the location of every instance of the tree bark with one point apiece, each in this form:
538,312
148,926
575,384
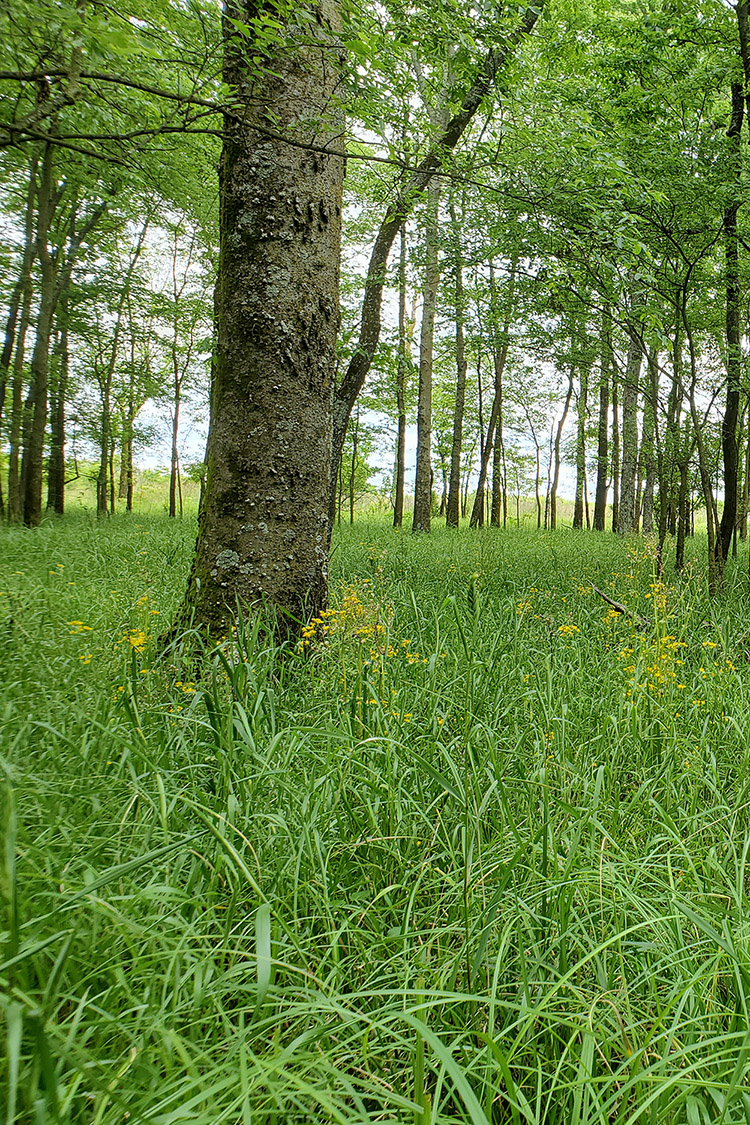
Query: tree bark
263,529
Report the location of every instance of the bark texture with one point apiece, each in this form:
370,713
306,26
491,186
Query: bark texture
263,531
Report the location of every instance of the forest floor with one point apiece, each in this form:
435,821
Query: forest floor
477,852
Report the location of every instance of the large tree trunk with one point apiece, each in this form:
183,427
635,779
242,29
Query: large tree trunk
263,531
412,187
423,479
401,369
602,453
454,486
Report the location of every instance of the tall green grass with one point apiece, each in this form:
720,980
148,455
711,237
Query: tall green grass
477,853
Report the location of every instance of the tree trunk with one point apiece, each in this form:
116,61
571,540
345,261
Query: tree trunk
626,517
15,500
583,397
602,456
402,364
730,452
174,458
682,516
263,530
648,445
122,487
56,464
454,485
558,436
500,345
422,483
615,453
353,467
15,491
33,451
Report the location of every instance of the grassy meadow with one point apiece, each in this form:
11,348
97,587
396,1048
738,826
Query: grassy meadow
476,851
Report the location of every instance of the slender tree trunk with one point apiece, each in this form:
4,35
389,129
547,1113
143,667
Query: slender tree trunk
615,453
264,522
175,457
500,346
6,356
730,451
112,474
33,451
56,465
602,457
422,484
15,497
401,369
626,517
558,436
353,466
648,445
682,515
583,398
746,481
454,486
715,557
122,487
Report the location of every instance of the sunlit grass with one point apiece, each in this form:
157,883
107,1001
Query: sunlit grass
476,852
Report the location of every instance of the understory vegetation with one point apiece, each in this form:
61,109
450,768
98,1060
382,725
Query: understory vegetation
475,850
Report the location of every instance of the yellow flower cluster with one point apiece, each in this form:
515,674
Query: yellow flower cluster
568,630
136,638
654,665
355,619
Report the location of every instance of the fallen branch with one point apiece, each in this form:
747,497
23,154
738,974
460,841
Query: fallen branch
637,617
